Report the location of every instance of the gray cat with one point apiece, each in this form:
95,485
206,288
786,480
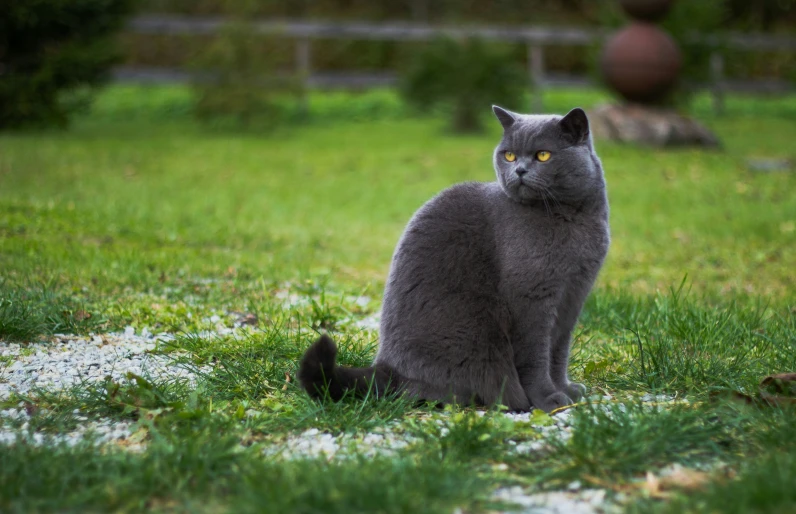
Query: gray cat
488,279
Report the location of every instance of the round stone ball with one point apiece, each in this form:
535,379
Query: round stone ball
647,10
641,63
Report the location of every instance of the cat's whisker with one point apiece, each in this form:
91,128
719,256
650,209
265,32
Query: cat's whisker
546,205
549,192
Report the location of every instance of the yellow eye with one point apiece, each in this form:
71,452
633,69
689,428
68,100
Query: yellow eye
510,156
543,155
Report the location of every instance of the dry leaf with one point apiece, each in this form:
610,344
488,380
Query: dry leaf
287,381
684,478
82,315
734,396
31,409
783,383
783,386
652,485
775,390
675,478
248,319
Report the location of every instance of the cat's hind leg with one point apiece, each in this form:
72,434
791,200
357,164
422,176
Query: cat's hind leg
485,389
504,388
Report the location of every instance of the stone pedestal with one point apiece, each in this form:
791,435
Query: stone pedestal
650,126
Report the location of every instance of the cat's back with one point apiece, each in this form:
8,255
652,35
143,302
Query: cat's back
446,251
455,215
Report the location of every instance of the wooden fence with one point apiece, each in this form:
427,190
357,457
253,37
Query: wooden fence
535,38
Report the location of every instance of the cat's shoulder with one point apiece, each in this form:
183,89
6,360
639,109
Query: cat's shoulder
465,202
465,194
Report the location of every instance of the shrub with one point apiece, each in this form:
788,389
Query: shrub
238,79
464,78
51,50
685,23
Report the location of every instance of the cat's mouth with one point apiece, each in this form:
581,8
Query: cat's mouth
528,187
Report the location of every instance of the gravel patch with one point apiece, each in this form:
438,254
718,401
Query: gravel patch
100,432
71,360
586,501
387,441
313,443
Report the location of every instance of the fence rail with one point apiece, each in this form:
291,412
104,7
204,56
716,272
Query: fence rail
534,37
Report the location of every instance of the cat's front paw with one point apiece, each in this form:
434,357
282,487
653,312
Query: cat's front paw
553,401
575,390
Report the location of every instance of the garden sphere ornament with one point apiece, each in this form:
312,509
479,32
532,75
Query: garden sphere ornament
641,62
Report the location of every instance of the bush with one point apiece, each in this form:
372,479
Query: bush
686,22
238,79
464,78
51,52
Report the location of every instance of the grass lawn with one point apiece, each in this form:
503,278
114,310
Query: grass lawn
139,217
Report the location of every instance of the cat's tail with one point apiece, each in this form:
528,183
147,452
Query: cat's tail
319,374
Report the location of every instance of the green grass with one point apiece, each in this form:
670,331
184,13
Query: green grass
137,216
205,470
763,484
26,313
683,343
615,440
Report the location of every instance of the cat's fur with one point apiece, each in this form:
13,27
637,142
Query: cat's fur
488,279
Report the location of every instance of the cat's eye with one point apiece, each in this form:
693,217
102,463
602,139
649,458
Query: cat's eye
510,156
543,155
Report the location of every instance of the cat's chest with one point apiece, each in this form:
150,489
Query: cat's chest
548,246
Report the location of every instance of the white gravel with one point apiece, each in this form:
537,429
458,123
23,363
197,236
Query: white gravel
313,443
586,501
71,360
101,432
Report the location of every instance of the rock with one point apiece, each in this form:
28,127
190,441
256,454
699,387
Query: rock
769,165
589,501
649,126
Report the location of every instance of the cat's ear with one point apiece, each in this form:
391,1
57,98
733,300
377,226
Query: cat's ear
506,118
575,125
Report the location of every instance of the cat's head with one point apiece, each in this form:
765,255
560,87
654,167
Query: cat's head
547,157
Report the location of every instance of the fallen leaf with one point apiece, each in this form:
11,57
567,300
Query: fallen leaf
675,478
248,319
782,383
779,389
82,315
733,396
287,381
31,409
684,478
776,390
652,485
245,318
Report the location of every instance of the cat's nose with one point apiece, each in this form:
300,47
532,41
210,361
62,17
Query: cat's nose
521,171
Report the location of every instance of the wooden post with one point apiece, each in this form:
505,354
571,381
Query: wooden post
536,72
717,77
303,71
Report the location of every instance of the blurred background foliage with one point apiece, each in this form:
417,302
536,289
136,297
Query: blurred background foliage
54,52
237,79
52,47
758,15
686,19
462,77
